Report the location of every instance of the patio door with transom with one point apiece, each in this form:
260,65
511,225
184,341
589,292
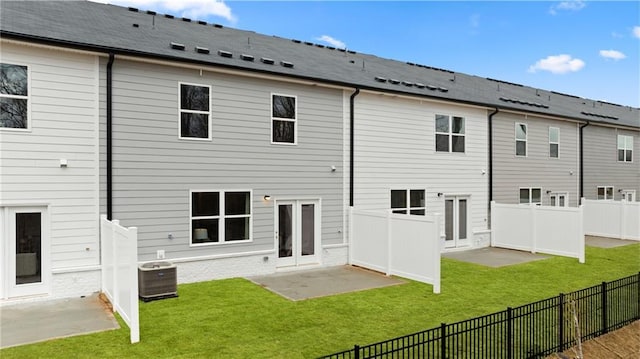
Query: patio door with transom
455,221
297,232
24,251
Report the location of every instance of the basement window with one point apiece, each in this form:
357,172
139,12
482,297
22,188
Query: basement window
14,97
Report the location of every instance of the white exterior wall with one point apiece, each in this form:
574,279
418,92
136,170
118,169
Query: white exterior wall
395,149
63,99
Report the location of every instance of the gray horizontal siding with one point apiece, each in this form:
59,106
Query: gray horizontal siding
154,170
537,169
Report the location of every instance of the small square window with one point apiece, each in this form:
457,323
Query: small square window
450,134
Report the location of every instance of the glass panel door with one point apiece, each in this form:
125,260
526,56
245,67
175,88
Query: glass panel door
456,221
285,230
448,223
308,230
297,232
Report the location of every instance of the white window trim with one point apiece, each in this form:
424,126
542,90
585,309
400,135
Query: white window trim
613,193
294,120
28,98
221,217
624,193
450,134
208,113
530,189
554,143
624,148
408,208
526,139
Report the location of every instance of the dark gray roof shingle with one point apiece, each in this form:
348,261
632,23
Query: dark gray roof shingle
110,28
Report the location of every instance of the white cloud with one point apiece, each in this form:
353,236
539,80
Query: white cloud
636,31
571,5
334,42
558,64
194,9
612,54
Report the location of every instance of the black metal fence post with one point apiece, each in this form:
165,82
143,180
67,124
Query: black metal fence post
604,308
561,322
443,340
509,333
638,296
356,351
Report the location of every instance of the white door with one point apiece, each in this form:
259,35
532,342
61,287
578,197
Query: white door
25,250
456,221
559,199
297,232
628,195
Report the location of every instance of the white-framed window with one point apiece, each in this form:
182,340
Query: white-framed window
559,199
220,216
521,139
450,133
605,192
625,148
554,142
628,195
14,97
195,111
531,195
409,201
284,114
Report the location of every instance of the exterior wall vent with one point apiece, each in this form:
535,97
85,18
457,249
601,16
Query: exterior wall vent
286,64
380,79
202,50
268,61
226,54
246,57
177,46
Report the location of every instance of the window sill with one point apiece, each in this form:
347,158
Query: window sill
215,244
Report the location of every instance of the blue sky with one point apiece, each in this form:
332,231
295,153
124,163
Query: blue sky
584,48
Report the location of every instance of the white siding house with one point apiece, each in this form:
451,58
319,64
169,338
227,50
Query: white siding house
396,152
49,243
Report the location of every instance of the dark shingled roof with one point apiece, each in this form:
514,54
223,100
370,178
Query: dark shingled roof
109,28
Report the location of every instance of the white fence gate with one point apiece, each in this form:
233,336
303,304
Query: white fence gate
617,219
397,244
120,271
543,229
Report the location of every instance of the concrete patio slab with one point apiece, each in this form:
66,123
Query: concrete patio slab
494,257
316,283
39,321
606,242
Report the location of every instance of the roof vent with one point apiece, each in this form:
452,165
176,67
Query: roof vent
296,41
136,25
202,50
598,115
246,57
168,16
133,9
151,12
432,88
443,89
268,61
308,43
177,46
342,50
186,19
381,79
202,22
407,83
394,81
419,85
331,48
351,51
320,46
226,54
218,26
286,64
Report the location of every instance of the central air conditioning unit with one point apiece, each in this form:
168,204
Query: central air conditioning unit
157,280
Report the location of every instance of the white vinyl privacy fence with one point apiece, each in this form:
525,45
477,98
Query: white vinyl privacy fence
617,219
120,271
538,229
397,244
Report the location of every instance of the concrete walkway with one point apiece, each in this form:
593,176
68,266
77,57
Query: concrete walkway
606,242
39,321
313,283
494,257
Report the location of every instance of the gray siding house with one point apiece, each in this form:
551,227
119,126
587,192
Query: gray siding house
236,153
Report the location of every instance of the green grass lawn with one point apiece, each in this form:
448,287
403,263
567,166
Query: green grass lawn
235,318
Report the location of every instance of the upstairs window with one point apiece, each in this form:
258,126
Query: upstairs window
450,134
531,196
220,217
554,142
283,119
408,201
625,148
521,139
605,192
195,112
14,96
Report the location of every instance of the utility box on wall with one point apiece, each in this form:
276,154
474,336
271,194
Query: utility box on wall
157,280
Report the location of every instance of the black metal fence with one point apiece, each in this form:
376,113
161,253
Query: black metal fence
534,330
